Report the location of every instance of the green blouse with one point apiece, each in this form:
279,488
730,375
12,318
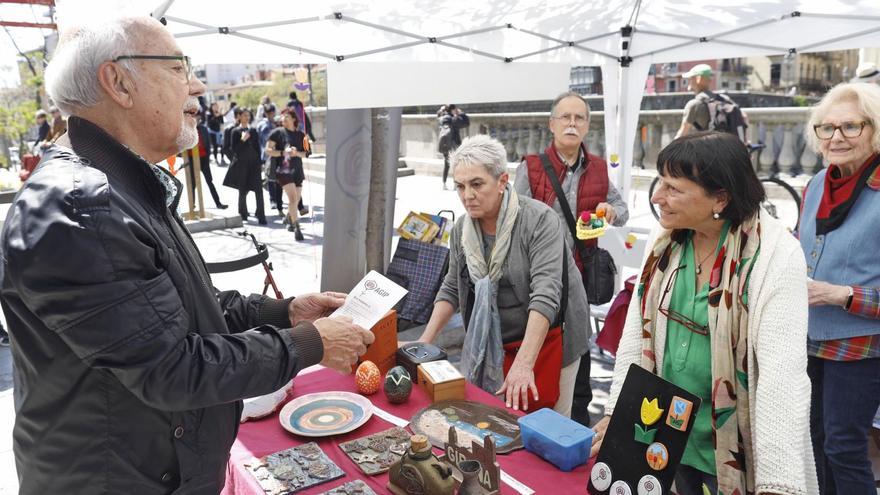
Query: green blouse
688,357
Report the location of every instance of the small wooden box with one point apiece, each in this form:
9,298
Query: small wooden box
383,351
441,380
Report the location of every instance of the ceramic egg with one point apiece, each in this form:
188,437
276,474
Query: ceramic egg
368,378
398,385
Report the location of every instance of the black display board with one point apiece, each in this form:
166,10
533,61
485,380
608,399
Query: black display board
624,457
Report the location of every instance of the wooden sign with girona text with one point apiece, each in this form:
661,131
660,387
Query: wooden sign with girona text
490,471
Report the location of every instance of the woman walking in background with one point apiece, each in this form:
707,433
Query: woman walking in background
288,146
244,173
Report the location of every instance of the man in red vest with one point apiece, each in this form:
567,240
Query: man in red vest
584,179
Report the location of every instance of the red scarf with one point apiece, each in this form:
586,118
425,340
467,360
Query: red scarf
838,189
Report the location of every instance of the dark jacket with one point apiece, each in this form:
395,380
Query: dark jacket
244,173
129,366
455,122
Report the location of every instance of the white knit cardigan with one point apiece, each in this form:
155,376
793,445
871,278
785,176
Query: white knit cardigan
779,389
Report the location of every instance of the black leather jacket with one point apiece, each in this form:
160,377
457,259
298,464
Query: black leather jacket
129,366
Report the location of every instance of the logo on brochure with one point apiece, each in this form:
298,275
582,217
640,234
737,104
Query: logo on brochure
372,286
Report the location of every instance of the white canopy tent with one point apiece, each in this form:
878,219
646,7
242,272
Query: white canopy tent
393,53
407,52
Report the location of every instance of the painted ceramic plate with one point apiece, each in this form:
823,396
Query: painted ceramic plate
325,413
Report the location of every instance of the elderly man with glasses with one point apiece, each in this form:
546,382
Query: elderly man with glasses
130,367
583,178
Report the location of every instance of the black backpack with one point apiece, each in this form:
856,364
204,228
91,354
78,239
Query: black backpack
445,144
724,115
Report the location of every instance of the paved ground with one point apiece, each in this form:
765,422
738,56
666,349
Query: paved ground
297,269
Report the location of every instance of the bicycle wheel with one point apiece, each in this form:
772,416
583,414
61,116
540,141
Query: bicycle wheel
651,195
782,202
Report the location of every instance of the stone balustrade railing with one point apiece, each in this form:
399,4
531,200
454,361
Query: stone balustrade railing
781,129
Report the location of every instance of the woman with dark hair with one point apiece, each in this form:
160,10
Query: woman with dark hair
288,146
244,173
721,311
838,233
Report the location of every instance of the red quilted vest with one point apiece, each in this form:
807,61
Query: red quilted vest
592,188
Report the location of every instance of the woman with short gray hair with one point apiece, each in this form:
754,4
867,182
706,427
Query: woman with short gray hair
515,283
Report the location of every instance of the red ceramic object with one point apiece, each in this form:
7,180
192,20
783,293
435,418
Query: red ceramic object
368,378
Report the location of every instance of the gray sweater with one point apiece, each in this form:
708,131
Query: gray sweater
531,279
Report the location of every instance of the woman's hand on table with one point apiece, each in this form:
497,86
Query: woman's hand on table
599,429
517,384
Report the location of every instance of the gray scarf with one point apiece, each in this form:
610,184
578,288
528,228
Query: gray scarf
482,360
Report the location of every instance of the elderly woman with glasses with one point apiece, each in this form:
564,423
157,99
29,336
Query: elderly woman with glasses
720,311
839,233
516,285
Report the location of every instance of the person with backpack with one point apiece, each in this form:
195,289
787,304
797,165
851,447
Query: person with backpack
709,111
583,180
451,119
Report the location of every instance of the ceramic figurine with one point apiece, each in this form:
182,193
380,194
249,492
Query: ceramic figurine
419,472
398,385
368,378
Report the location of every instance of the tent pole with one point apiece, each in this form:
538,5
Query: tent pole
346,193
159,12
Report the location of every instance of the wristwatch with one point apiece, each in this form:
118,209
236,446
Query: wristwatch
849,299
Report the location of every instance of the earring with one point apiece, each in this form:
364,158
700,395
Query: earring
716,215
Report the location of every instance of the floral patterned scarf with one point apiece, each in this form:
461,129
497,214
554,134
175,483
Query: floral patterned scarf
728,330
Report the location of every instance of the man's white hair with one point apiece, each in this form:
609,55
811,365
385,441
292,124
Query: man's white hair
72,74
481,150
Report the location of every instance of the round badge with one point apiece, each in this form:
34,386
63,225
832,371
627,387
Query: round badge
649,485
620,488
657,456
601,476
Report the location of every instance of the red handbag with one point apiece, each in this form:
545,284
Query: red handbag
547,368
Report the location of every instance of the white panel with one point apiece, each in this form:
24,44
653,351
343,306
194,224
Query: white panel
387,84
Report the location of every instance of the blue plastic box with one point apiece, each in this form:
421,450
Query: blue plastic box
556,438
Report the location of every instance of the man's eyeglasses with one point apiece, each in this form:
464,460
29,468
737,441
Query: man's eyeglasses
187,68
579,119
847,129
675,315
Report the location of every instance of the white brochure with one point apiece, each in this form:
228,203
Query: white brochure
371,299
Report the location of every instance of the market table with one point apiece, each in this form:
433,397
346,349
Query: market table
265,436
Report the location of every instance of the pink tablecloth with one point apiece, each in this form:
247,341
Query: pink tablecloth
263,437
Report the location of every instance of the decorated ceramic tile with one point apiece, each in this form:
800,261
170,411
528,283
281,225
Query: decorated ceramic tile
375,453
293,469
650,412
657,456
325,413
356,487
620,488
601,476
679,413
649,485
644,435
